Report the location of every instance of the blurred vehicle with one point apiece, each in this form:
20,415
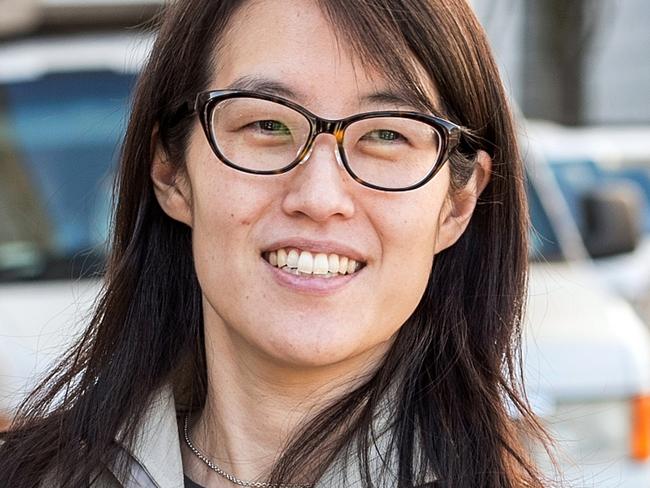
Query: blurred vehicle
63,107
63,104
586,351
19,17
594,165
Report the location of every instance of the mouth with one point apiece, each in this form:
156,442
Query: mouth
305,263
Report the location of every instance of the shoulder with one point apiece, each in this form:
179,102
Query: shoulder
106,480
153,459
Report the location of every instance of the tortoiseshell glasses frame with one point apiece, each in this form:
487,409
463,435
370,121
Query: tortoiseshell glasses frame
447,136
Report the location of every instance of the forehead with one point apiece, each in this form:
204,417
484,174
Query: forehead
293,44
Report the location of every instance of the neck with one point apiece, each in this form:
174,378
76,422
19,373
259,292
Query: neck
255,404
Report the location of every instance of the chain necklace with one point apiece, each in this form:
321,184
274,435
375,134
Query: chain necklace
228,476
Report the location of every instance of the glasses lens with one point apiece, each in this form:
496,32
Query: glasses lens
391,152
258,135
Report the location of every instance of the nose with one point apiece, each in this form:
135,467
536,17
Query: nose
319,187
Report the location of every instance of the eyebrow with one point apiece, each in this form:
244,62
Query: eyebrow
390,97
263,85
278,88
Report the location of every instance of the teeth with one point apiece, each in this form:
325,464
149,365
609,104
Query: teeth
333,263
292,259
304,262
343,264
321,264
282,258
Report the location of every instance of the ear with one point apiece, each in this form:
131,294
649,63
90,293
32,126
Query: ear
170,185
460,205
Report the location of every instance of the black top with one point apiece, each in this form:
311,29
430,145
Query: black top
190,484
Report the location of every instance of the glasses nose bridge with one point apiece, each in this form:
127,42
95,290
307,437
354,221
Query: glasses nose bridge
328,126
325,126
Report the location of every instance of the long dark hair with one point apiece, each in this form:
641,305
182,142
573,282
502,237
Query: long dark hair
455,358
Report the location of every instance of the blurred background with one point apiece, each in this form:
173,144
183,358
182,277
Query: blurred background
578,73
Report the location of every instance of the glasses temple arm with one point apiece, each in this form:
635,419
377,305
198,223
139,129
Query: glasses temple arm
185,110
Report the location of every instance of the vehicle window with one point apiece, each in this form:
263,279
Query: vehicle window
576,177
641,176
59,139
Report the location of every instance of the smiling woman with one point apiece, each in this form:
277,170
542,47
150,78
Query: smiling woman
318,263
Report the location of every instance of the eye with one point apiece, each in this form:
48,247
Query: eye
272,127
383,136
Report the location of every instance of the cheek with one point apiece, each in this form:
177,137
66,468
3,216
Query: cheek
224,217
219,208
412,254
224,206
221,197
408,236
411,230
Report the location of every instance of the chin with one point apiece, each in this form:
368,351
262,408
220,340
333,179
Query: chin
345,354
309,354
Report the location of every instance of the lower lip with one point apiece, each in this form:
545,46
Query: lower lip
312,285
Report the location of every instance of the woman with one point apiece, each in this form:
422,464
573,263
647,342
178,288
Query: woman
297,294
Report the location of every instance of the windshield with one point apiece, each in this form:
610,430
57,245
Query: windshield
59,139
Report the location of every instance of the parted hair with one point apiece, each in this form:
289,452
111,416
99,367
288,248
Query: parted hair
453,370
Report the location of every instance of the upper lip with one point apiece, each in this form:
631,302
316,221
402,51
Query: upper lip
317,247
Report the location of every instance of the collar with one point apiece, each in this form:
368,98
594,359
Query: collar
155,455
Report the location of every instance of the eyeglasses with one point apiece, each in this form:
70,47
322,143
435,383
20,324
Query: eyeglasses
268,135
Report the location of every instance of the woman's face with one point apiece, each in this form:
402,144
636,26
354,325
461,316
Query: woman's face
237,218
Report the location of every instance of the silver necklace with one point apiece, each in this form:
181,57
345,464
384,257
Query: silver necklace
228,476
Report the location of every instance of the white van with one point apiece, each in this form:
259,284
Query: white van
587,353
613,161
57,157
